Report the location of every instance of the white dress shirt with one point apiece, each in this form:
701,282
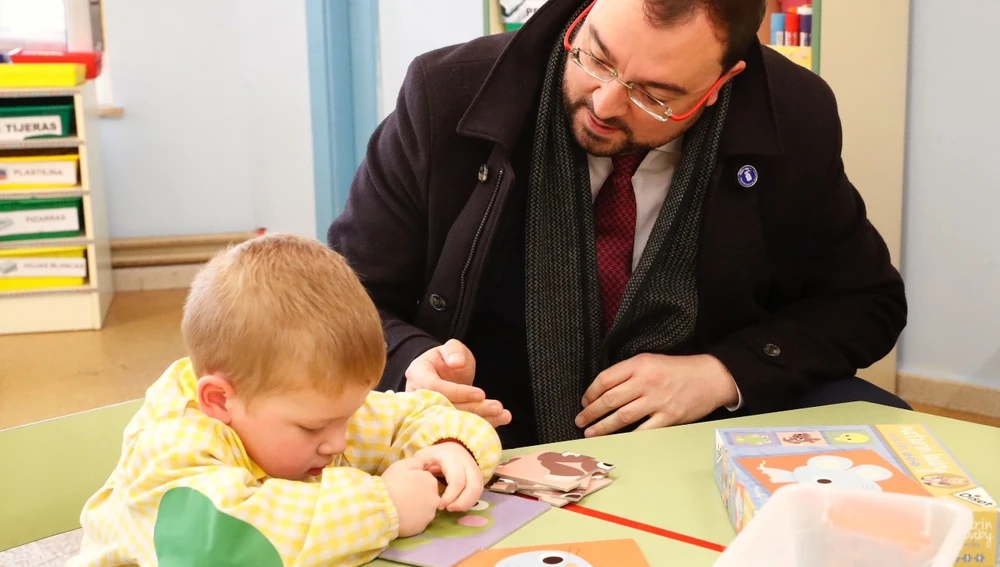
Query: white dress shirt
651,183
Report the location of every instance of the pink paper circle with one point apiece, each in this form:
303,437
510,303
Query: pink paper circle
471,521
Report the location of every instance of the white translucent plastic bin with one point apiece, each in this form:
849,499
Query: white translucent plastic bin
808,525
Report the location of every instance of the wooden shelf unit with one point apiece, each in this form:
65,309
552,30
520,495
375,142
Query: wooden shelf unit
65,308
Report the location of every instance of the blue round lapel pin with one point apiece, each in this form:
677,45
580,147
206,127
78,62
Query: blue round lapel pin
747,176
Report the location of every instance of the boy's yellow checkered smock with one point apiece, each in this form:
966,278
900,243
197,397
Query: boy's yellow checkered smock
344,518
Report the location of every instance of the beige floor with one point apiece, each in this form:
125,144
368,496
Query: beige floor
954,414
50,375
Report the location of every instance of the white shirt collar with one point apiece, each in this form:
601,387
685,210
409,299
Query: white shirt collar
671,147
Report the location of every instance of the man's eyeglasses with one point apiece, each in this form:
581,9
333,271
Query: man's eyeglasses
604,73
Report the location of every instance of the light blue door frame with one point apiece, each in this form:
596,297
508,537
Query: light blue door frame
343,66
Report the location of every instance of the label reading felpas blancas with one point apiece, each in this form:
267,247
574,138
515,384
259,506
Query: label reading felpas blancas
39,221
44,267
24,127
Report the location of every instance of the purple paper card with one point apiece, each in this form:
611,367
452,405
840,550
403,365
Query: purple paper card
453,537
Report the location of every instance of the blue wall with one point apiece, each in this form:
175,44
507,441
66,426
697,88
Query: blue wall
342,39
950,234
217,133
407,29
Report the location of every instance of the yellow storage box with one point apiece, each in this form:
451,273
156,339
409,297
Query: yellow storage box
32,172
42,75
39,268
803,55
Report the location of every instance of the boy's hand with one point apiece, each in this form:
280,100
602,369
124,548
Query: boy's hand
414,492
461,474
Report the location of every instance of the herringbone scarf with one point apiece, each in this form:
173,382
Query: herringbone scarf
567,348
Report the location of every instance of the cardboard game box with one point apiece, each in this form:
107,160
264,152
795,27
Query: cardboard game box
751,463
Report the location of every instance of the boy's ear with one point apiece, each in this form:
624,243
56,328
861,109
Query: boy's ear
214,396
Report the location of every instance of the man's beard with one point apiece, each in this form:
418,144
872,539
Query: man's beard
599,146
593,144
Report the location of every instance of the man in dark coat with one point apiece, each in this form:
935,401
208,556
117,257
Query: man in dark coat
628,214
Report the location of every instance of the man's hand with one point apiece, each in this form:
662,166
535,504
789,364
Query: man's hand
669,390
449,370
461,474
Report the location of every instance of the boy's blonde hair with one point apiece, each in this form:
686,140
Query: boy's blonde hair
279,312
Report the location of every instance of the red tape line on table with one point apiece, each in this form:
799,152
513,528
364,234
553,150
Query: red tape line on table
644,527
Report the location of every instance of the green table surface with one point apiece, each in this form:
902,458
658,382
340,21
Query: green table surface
663,477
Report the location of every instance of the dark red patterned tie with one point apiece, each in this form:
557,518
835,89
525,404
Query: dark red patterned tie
614,233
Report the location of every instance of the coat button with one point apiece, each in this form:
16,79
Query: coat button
484,173
438,302
771,350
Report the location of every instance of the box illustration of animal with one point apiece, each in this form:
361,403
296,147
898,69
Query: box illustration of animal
800,438
830,469
851,438
753,439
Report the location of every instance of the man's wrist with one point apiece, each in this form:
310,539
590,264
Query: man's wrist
726,392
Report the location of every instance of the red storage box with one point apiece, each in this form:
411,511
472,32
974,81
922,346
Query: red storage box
91,59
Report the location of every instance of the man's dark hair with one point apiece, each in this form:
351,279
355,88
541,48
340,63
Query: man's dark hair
736,21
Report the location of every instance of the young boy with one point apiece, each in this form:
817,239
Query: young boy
268,446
